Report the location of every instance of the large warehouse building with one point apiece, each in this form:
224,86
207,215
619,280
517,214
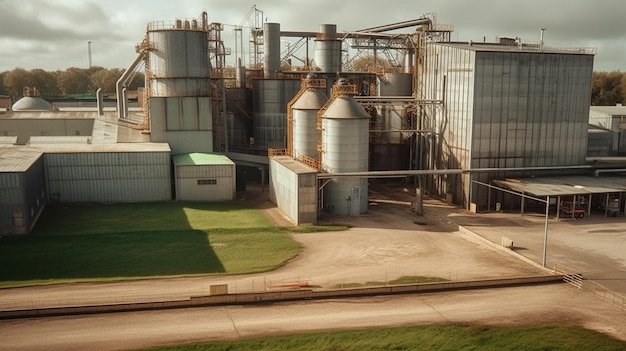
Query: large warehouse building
506,105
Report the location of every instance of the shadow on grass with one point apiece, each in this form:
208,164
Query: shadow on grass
131,241
135,217
134,254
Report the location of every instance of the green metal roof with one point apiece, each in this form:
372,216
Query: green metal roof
200,159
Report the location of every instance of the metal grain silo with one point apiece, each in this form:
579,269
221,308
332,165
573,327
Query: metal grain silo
328,49
304,113
178,60
269,100
345,132
178,77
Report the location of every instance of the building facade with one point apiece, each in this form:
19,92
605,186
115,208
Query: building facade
504,106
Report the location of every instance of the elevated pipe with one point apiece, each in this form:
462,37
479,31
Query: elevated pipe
398,25
404,173
100,101
120,86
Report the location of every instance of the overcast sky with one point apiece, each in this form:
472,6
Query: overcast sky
54,34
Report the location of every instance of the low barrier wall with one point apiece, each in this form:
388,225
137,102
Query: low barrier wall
282,295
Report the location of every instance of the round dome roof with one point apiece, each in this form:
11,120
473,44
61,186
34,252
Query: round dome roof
32,103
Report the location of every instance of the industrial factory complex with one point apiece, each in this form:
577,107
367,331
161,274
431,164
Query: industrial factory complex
485,125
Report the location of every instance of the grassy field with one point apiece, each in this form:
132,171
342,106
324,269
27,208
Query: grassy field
129,241
432,338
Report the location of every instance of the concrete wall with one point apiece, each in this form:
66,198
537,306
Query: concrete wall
185,123
24,128
293,189
205,182
283,295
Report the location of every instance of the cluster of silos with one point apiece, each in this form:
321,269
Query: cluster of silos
390,146
345,149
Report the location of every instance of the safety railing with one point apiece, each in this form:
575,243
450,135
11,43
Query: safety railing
607,295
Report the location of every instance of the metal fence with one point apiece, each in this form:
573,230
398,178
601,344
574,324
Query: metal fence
607,295
600,291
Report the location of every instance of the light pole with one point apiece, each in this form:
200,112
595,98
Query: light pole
545,231
89,52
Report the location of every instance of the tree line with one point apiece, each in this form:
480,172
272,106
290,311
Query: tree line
64,82
608,88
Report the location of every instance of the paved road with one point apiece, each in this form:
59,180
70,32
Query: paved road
594,247
495,307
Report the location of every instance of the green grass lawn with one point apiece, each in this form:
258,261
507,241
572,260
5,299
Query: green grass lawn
129,241
432,338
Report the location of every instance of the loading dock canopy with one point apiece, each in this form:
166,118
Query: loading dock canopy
563,186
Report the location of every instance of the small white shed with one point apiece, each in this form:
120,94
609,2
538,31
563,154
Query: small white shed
204,177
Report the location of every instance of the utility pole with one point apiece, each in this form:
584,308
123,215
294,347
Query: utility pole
541,39
89,52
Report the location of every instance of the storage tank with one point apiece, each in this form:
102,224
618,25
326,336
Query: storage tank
269,99
32,103
178,60
345,132
328,49
271,47
305,110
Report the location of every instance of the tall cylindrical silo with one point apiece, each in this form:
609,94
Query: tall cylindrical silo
305,110
328,49
271,49
178,61
345,132
269,100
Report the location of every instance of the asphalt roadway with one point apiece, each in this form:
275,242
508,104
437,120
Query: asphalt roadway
387,243
555,303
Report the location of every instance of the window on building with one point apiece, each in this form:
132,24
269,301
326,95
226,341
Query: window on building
207,181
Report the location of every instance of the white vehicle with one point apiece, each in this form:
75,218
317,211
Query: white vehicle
613,207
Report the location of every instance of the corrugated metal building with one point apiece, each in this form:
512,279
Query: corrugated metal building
204,177
293,189
612,121
504,106
23,189
270,99
133,172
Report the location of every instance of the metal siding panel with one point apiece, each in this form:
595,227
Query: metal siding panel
189,113
157,119
190,141
172,114
205,113
112,177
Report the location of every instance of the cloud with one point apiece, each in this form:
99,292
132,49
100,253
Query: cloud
54,21
53,34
